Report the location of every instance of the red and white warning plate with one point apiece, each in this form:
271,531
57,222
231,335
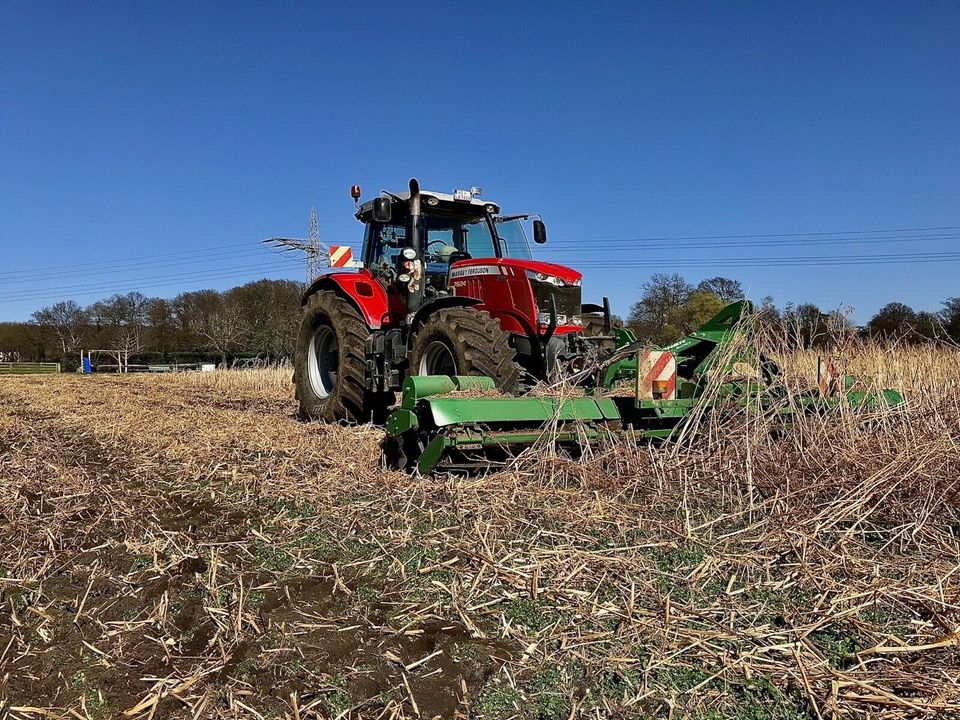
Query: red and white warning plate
656,375
340,255
828,377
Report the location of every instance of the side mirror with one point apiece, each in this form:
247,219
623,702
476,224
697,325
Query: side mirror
382,210
539,232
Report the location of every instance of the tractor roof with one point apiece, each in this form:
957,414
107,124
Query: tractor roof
444,201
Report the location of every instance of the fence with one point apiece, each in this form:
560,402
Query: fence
28,368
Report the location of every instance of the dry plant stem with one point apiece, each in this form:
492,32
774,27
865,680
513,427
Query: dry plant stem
181,546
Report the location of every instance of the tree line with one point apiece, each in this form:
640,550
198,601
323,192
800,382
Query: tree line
259,320
255,320
671,307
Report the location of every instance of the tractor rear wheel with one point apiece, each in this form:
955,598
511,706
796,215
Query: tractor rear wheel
329,365
465,341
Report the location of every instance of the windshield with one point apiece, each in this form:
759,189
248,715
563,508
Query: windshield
443,236
513,239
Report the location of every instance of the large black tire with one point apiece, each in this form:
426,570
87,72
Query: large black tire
465,341
329,363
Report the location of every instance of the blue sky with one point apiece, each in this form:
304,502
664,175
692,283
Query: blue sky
133,131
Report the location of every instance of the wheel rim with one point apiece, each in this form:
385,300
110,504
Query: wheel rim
323,361
438,360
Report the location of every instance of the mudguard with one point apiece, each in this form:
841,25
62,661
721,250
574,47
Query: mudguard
361,288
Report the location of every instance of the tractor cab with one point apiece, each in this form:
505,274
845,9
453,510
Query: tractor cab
454,227
452,230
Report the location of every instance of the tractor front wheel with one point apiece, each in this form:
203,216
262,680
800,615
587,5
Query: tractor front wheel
465,341
329,366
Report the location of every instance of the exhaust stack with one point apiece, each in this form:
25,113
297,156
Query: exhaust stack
414,232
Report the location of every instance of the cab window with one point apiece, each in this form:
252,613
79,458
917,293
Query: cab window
513,239
479,240
384,243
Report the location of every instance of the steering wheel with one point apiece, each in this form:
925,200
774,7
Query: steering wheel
434,242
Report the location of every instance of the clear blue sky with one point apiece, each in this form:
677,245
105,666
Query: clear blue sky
136,129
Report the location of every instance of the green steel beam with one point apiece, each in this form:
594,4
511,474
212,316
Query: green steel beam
417,387
527,410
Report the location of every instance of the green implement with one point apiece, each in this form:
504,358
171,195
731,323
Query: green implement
639,392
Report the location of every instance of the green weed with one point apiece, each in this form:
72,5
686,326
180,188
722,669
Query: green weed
337,700
272,558
545,696
527,612
499,702
838,646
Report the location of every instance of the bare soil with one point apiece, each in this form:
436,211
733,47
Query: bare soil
184,547
140,589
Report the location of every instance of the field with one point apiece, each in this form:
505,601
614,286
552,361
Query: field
182,547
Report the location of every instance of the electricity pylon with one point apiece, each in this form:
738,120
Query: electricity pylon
311,247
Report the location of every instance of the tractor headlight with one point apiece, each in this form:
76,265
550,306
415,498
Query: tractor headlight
543,277
552,279
409,253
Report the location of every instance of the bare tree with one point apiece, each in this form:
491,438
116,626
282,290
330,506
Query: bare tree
161,335
214,319
271,310
224,330
124,319
68,323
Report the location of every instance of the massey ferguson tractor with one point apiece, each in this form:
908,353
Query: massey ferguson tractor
446,285
447,305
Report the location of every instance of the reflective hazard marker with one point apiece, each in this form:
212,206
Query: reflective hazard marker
340,255
656,375
828,378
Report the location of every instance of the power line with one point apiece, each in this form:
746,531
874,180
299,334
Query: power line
148,282
137,283
55,294
202,252
98,263
621,246
794,234
635,244
312,245
59,274
908,258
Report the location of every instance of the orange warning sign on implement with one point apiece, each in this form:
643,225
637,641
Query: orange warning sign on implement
340,255
828,378
656,375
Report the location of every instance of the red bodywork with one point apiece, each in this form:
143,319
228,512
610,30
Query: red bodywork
366,292
501,284
505,290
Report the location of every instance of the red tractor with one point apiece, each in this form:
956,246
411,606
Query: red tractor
446,286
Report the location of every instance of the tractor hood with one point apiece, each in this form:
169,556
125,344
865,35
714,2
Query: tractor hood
567,275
